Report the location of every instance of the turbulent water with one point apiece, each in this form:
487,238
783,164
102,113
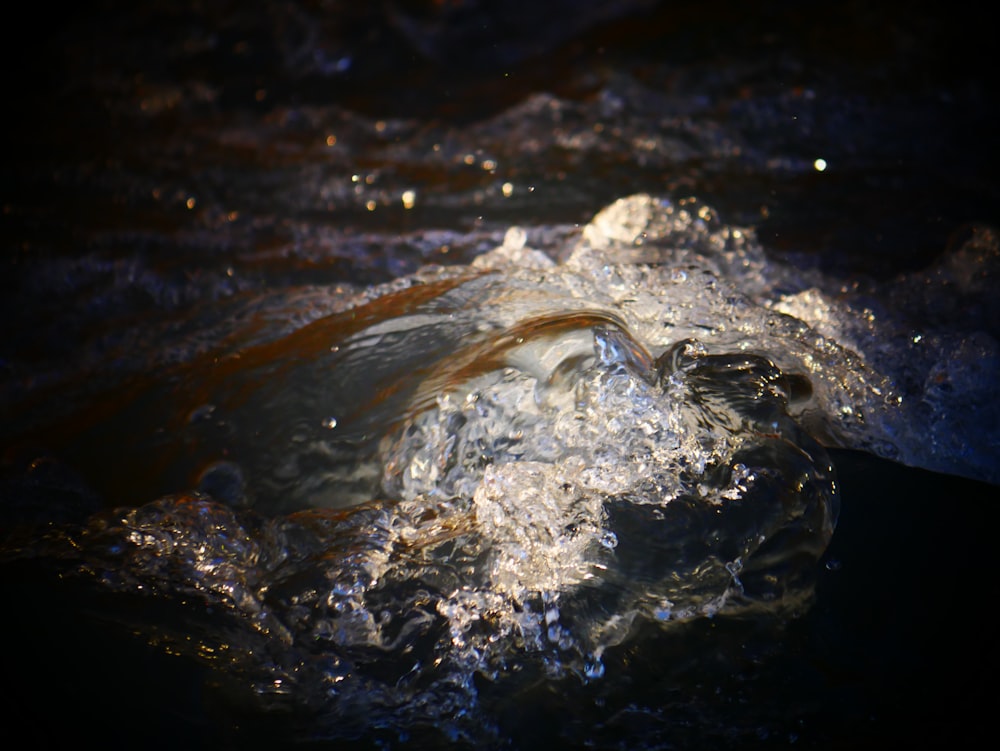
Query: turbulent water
431,428
476,473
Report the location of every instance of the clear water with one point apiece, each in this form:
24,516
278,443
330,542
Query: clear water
355,402
481,473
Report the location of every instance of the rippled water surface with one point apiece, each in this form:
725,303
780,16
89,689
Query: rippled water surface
456,375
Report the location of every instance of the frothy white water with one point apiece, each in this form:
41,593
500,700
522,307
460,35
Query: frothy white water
474,472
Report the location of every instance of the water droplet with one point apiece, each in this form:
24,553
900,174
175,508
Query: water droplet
330,423
593,669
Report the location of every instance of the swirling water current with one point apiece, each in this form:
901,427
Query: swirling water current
326,426
476,476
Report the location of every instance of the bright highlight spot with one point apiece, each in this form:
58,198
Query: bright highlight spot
819,165
507,189
409,196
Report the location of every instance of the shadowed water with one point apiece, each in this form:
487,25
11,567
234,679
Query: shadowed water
369,377
480,476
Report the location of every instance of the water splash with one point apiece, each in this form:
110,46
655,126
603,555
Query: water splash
531,461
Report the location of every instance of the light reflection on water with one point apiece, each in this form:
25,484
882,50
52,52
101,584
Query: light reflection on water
532,465
567,490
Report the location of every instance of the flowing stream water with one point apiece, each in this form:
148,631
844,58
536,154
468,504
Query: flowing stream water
524,427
